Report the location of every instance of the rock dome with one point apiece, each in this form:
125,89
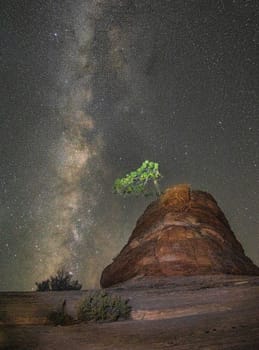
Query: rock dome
182,233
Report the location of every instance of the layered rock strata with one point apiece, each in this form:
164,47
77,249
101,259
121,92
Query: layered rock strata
184,232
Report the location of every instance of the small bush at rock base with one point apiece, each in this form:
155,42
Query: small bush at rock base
102,307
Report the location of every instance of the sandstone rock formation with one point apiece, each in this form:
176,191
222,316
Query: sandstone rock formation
184,232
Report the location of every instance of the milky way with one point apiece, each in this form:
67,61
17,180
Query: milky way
93,88
76,159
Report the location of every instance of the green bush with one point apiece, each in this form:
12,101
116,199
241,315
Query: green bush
102,307
136,182
62,281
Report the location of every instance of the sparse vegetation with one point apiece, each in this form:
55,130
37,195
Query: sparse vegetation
60,317
62,281
136,181
43,286
101,307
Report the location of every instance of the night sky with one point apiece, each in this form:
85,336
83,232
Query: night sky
89,90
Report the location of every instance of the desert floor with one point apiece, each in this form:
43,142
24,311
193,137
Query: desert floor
201,312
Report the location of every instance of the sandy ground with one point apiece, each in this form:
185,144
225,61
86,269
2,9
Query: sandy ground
218,312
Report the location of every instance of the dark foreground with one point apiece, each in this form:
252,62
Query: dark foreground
212,312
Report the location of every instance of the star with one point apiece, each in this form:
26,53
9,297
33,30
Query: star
90,93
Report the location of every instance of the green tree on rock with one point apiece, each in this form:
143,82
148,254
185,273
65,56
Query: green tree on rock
136,181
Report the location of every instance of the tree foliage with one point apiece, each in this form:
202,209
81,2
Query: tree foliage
62,281
136,181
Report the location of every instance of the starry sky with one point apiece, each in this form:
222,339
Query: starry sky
92,88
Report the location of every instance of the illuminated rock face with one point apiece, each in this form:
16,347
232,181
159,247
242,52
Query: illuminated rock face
183,233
